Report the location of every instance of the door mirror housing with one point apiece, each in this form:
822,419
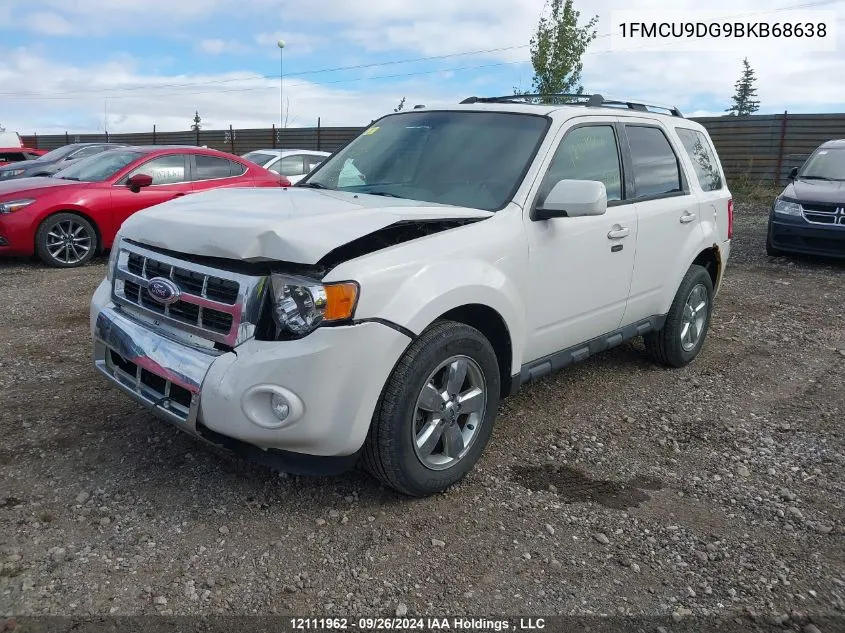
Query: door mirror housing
793,173
572,199
139,180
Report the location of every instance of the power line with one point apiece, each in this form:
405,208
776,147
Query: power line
95,91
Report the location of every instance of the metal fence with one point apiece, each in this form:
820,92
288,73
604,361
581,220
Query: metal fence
764,148
759,148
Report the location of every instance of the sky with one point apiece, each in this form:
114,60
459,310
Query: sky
126,65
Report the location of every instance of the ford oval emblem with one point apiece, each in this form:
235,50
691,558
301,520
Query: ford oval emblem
163,291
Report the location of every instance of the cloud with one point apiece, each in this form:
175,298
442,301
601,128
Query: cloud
46,23
378,32
249,102
219,47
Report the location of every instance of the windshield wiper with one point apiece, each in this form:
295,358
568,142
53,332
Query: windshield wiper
383,193
67,178
815,178
311,185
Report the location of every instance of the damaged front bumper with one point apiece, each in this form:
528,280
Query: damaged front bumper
332,379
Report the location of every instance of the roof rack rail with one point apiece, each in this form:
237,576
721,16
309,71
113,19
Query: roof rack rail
589,100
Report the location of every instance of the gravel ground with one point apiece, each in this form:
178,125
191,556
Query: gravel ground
614,487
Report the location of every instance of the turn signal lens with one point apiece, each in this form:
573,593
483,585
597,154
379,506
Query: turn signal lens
340,300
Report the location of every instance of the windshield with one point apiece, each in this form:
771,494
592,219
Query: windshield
259,158
58,153
470,159
99,167
825,164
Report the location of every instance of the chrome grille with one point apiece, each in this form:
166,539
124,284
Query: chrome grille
818,213
214,304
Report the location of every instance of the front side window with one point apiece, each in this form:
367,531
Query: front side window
656,169
702,157
589,152
470,159
99,167
825,164
164,170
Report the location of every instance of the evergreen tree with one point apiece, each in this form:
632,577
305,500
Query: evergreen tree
197,126
743,99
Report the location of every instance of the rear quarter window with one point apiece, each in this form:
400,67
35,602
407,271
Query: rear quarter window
703,158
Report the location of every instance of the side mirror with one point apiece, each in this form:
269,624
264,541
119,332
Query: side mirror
571,199
793,173
139,180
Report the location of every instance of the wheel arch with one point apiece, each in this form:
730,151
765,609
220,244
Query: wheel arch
711,260
495,329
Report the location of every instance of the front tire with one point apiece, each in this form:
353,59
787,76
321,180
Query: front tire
771,251
436,412
66,240
682,336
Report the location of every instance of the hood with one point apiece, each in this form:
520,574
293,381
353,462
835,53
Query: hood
824,191
27,185
295,225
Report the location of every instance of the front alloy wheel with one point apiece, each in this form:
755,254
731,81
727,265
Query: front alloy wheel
66,240
436,411
449,412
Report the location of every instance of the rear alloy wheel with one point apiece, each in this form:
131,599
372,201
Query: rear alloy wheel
682,336
436,412
66,240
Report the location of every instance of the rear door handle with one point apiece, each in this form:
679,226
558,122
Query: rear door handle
618,232
687,217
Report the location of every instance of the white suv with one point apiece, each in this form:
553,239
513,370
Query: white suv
380,318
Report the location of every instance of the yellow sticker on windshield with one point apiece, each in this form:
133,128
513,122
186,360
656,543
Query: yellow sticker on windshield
372,130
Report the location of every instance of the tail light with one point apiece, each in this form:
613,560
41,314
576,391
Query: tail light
730,219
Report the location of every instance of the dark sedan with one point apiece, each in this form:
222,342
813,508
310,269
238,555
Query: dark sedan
808,217
53,161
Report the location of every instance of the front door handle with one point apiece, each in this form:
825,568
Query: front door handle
618,232
687,217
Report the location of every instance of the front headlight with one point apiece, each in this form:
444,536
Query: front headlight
787,207
115,249
14,205
301,305
9,173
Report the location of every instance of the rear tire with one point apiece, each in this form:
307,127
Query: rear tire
66,240
682,336
436,411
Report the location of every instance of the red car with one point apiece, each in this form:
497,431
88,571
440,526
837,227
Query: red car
68,217
17,154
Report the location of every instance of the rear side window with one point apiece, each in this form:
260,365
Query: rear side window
703,159
655,165
212,167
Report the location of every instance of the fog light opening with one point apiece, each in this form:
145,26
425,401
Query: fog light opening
280,406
